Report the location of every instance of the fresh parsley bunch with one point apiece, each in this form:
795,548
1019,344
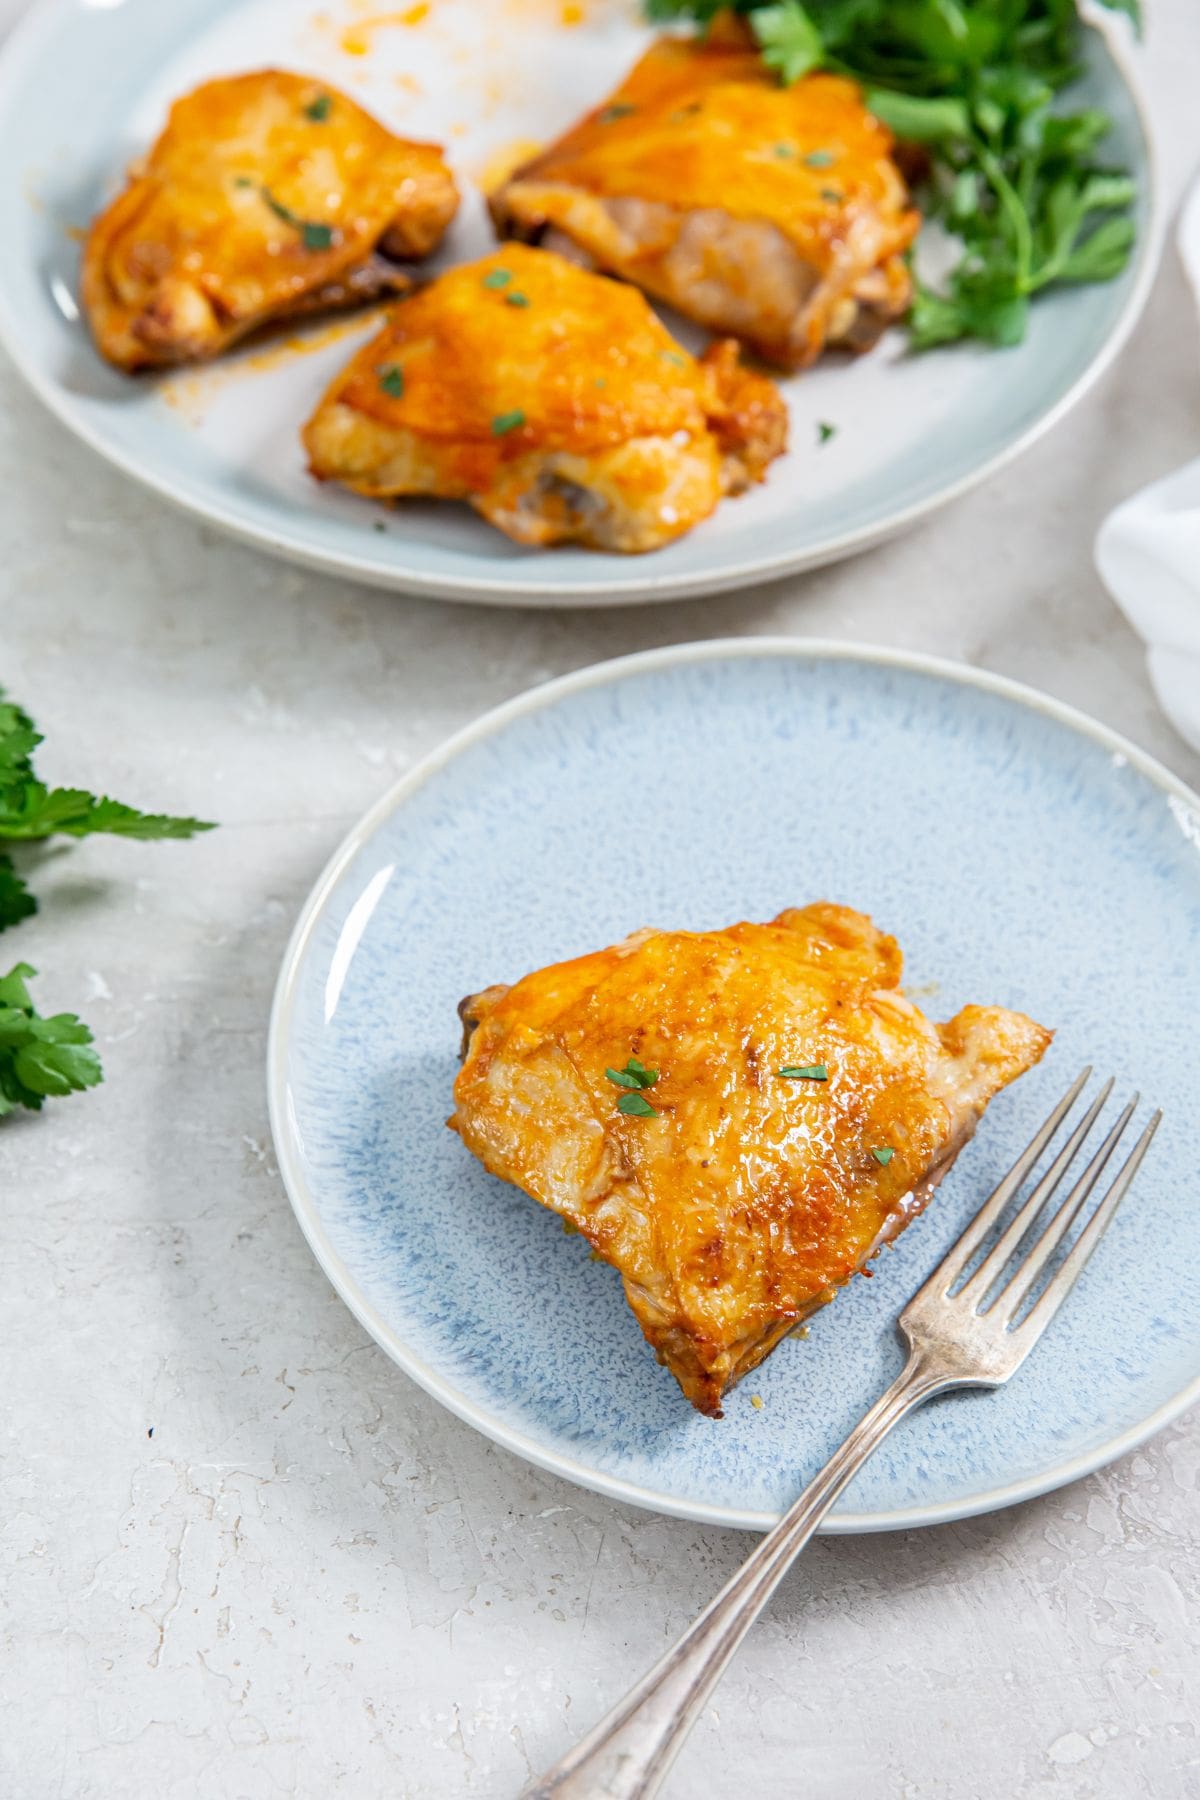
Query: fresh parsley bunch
973,82
41,1058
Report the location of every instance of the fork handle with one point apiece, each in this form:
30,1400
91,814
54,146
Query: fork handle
627,1755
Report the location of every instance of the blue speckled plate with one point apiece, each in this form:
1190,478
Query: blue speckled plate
1022,854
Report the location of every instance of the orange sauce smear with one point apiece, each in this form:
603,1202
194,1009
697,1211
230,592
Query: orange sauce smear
504,161
194,391
356,40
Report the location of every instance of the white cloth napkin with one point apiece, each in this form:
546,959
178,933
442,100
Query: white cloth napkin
1148,554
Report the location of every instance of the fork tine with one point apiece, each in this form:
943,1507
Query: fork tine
1061,1284
992,1266
960,1254
1013,1294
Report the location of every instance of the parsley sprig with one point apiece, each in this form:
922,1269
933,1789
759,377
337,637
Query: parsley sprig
45,1058
974,83
30,810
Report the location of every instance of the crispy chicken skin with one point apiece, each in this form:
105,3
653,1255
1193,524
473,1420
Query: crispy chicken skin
267,196
750,1198
773,213
554,402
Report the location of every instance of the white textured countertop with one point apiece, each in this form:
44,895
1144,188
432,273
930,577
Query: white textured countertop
242,1555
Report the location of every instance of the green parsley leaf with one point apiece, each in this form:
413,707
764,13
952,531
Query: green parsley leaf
515,299
919,120
634,1075
16,901
791,43
813,1072
35,811
18,740
242,181
819,159
318,110
783,151
497,278
40,1058
884,1156
503,423
30,810
833,195
314,236
636,1106
391,379
619,110
673,356
825,431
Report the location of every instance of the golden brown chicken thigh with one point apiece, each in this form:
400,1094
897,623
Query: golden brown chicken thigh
773,213
736,1120
267,196
554,402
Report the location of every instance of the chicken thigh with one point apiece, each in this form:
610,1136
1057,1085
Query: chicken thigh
772,213
268,196
554,402
735,1120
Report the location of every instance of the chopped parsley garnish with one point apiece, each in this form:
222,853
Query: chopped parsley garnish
813,1072
619,110
819,159
673,356
825,431
503,423
318,110
391,379
786,150
378,525
515,299
636,1106
243,181
314,236
634,1075
497,278
833,195
884,1156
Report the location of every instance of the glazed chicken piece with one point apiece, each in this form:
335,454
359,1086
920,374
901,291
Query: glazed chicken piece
554,402
267,196
773,213
640,1094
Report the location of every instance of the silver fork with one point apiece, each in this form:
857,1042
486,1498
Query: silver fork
960,1333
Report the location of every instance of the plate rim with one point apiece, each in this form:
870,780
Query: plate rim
37,31
306,1206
